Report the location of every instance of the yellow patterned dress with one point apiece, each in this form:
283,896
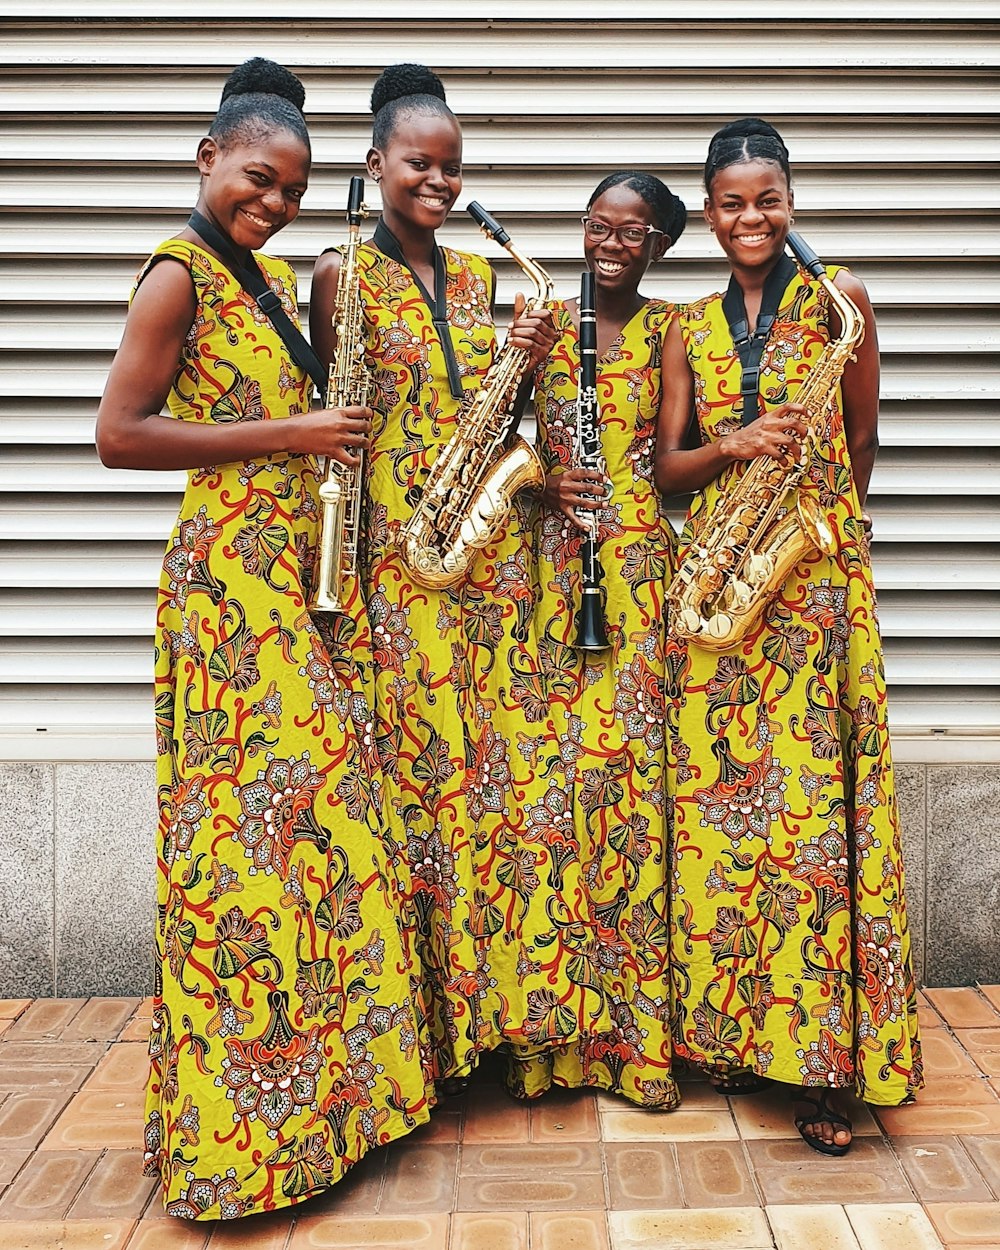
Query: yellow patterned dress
284,1042
789,948
610,704
506,943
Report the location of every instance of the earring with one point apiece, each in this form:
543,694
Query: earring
377,178
712,229
791,221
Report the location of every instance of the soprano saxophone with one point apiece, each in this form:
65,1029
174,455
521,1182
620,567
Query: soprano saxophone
471,485
762,525
349,383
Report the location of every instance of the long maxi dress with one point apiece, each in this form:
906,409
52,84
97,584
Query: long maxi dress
610,705
285,1031
506,942
790,950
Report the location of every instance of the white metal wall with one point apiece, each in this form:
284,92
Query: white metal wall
891,117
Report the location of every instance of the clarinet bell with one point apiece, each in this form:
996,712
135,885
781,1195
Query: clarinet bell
591,632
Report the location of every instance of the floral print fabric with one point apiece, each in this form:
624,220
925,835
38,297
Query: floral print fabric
609,705
790,952
477,775
285,1037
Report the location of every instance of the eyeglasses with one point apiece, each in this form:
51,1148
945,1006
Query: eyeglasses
629,236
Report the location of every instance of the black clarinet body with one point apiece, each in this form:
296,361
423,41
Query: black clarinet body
591,630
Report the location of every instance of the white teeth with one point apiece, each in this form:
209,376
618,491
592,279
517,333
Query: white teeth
432,201
257,221
609,266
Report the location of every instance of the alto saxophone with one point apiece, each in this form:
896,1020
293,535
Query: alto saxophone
349,382
471,485
762,525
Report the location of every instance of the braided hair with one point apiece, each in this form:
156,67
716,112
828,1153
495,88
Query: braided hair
259,98
403,89
744,140
669,213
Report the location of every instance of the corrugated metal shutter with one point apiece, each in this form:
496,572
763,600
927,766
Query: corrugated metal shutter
890,119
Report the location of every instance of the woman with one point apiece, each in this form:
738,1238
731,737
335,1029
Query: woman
790,952
507,948
285,1038
610,702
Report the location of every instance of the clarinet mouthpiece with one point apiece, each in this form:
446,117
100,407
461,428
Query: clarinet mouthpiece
488,224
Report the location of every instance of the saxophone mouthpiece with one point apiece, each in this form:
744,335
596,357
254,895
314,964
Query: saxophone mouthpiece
488,224
355,206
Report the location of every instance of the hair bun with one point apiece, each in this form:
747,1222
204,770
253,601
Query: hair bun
259,76
397,81
745,127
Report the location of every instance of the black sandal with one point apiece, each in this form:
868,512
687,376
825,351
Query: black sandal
452,1086
743,1081
825,1114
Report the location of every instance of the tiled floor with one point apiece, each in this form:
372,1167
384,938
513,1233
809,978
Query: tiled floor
571,1172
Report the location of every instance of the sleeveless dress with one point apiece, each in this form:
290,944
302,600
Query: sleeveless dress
790,951
284,1041
610,703
475,771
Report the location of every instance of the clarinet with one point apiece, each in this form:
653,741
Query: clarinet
591,632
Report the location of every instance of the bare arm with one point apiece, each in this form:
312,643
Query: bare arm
132,433
679,468
322,301
859,390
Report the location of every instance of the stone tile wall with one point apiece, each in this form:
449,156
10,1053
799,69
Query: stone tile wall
77,875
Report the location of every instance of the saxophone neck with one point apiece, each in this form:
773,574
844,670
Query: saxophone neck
539,277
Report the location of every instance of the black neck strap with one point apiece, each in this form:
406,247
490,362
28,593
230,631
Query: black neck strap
388,244
249,276
750,347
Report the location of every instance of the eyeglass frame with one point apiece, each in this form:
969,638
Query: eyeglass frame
616,231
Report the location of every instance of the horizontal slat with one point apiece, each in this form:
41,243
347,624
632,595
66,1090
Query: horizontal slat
713,46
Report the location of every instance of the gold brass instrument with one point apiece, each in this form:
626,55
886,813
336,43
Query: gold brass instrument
349,383
762,525
471,485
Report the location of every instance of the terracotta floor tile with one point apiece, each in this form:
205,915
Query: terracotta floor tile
494,1116
715,1174
47,1185
100,1020
68,1077
170,1234
966,1223
116,1186
420,1178
907,1121
136,1030
992,992
965,1008
493,1230
541,1192
643,1176
105,1119
67,1235
4,1026
532,1160
943,1056
11,1162
124,1066
985,1154
15,1054
11,1008
357,1193
563,1115
822,1226
674,1126
270,1231
940,1168
789,1172
583,1230
26,1118
46,1019
736,1228
771,1114
957,1091
902,1226
414,1232
988,1062
926,1010
976,1041
444,1126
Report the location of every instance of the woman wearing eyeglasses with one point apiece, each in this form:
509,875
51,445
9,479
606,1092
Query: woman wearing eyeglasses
608,705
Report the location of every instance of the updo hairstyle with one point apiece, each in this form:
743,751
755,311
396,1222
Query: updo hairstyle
669,213
259,98
746,139
403,89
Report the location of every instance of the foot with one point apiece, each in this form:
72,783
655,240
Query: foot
739,1081
451,1086
820,1125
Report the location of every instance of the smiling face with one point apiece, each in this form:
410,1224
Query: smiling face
252,190
614,265
749,206
420,170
